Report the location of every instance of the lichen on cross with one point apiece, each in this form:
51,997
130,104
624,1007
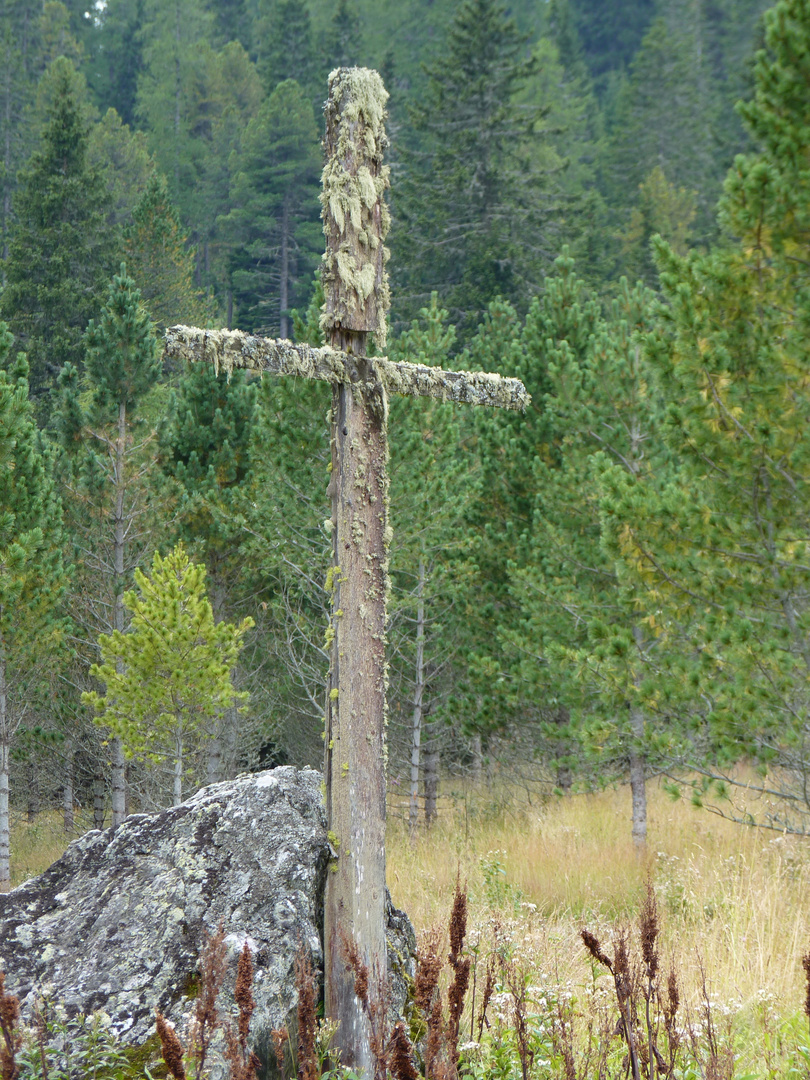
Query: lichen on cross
356,288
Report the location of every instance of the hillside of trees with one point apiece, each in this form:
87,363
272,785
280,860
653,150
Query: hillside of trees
609,200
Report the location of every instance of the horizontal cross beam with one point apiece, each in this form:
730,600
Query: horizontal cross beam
232,349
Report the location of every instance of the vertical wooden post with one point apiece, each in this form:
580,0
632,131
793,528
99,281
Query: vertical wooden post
356,288
355,223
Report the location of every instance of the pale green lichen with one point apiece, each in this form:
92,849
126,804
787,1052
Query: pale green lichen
231,349
353,185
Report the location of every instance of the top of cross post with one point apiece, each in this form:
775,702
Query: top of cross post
355,217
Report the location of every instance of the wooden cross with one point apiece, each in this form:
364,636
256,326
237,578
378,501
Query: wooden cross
355,223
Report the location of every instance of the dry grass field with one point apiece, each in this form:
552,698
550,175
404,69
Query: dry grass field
734,902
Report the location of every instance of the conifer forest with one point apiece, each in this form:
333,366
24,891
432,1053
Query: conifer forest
608,199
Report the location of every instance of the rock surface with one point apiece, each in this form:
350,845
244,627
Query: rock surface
117,923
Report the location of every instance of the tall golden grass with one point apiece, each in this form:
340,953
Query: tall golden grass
735,900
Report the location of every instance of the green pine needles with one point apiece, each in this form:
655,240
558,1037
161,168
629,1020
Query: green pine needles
168,679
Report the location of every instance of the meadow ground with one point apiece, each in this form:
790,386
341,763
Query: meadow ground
734,902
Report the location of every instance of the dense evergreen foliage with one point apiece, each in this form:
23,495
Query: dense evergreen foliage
32,574
615,582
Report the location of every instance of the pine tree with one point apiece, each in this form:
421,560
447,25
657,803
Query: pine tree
722,551
32,576
169,676
62,249
587,643
431,572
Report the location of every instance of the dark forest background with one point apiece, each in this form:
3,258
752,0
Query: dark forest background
614,585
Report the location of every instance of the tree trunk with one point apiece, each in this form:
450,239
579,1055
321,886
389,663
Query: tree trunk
284,283
565,778
214,759
419,687
98,800
67,791
119,809
33,793
178,775
638,785
477,750
431,775
638,762
5,739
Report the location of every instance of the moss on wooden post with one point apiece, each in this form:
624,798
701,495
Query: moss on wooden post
228,350
355,217
356,285
355,221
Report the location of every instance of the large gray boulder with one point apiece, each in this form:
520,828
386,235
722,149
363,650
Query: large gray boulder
118,922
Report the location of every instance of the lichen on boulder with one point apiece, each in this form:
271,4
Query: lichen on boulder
118,922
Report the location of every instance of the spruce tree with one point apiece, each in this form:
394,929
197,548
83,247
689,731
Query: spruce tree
123,157
16,94
32,575
206,449
472,217
172,85
283,509
273,226
611,32
62,249
285,48
195,103
344,44
117,61
159,260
